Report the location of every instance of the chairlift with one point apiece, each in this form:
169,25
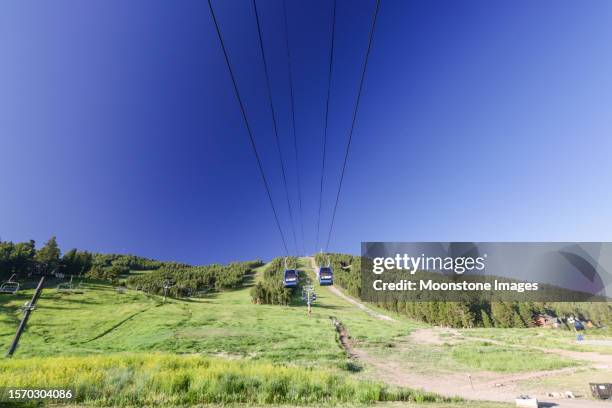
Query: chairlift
290,276
10,286
65,287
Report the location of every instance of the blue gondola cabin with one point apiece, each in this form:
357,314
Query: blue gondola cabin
291,278
326,276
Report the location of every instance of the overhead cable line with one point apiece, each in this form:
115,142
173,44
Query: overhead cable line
348,145
329,78
280,155
248,127
292,105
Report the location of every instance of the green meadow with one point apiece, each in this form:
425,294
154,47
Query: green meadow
169,380
134,349
99,320
217,349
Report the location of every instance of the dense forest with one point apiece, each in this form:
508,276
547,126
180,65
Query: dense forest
23,259
347,274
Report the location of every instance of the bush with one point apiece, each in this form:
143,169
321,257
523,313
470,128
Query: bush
270,289
188,280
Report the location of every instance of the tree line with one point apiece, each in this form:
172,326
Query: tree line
481,313
23,259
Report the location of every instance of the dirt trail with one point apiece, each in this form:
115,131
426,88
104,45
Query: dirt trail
352,301
475,385
432,336
482,386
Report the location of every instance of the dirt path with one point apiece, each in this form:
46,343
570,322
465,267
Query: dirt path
432,336
482,386
352,301
475,385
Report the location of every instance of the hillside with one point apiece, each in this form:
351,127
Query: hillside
100,325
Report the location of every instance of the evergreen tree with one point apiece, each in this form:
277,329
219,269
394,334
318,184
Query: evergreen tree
502,314
517,321
486,320
76,262
49,255
526,311
22,257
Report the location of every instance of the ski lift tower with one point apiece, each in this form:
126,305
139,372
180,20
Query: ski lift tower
309,296
167,285
28,308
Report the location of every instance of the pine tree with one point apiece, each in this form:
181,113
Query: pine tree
526,311
486,320
49,255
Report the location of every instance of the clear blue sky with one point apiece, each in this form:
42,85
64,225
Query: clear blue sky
480,120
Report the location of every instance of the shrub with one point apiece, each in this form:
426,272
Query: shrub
270,288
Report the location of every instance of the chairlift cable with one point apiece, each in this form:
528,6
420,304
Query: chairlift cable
248,127
329,78
292,106
280,155
348,145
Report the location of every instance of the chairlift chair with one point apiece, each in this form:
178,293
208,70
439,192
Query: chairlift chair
65,287
10,286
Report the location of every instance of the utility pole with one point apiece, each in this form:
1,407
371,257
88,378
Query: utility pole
27,311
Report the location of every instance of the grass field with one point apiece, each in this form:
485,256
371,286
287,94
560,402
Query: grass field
100,321
489,357
550,338
249,349
74,339
170,380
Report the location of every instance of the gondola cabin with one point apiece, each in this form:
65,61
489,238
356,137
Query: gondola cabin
326,276
290,278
